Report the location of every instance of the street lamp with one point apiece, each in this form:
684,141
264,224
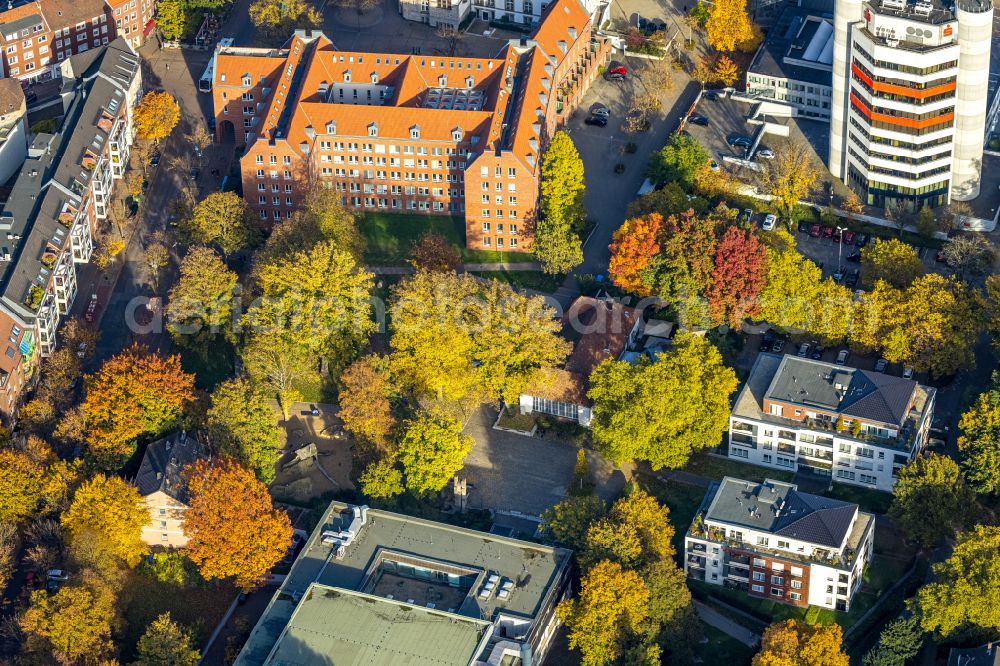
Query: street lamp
840,248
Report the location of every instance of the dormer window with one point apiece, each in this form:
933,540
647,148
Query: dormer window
415,132
374,77
442,81
373,129
470,82
456,134
347,76
331,127
247,80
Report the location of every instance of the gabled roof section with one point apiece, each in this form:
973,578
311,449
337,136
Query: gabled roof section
561,25
164,462
877,396
815,519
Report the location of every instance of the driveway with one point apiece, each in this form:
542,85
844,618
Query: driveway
512,472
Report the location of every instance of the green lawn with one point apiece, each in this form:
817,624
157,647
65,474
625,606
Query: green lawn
391,235
535,280
869,500
722,648
683,501
715,468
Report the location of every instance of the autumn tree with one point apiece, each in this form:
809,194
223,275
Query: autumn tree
434,252
729,25
199,309
612,603
277,367
969,254
790,297
789,176
156,256
966,587
74,623
636,533
852,204
33,478
899,641
568,521
242,425
431,451
320,218
382,479
134,393
165,643
930,500
796,643
979,441
891,260
364,401
281,17
738,277
173,19
646,412
557,244
632,247
156,116
726,71
222,219
223,494
684,269
112,509
680,160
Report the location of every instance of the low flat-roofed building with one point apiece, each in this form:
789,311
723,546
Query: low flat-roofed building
419,568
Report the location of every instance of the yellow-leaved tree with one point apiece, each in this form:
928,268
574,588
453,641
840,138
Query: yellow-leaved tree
74,623
110,509
794,643
156,116
729,26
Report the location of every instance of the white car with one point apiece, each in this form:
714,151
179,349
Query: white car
907,373
766,153
769,222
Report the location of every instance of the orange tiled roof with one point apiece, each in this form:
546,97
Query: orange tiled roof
354,119
563,22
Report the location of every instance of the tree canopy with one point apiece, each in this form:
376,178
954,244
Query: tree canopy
242,425
899,641
979,442
930,500
282,17
364,401
569,520
795,643
165,643
382,479
729,26
110,509
321,218
633,247
431,451
738,278
74,623
891,260
222,219
789,176
200,307
156,116
662,411
557,244
680,160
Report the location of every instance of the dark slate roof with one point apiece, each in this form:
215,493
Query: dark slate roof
986,655
780,509
877,396
23,23
163,463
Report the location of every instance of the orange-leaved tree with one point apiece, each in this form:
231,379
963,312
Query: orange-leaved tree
793,643
134,393
233,529
156,116
632,247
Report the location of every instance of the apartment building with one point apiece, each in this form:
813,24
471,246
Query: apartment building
854,426
406,133
910,83
36,36
377,587
436,12
793,64
60,193
773,542
13,128
163,489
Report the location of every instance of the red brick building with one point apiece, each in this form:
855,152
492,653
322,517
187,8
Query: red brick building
407,133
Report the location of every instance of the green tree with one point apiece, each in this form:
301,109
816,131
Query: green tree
222,219
165,643
980,440
278,367
200,307
432,450
683,271
899,642
791,290
242,425
891,260
648,411
680,160
557,244
612,604
966,587
321,218
568,521
382,479
931,500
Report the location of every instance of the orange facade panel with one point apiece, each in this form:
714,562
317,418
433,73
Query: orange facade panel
896,120
902,90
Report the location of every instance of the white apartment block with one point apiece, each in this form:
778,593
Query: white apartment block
910,83
774,542
856,426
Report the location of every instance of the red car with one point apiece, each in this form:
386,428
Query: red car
91,309
814,231
848,238
827,232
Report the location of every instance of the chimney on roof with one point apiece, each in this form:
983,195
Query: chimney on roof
159,475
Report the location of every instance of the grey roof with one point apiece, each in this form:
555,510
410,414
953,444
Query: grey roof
790,40
23,23
985,655
780,509
337,626
868,395
53,176
163,463
535,570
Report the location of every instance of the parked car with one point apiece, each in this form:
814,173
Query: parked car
766,342
817,353
602,111
599,121
91,312
852,278
881,365
747,214
827,232
849,237
814,231
739,140
154,160
615,68
766,153
711,96
861,241
842,356
907,373
614,77
698,119
57,574
803,227
769,222
779,346
804,349
854,257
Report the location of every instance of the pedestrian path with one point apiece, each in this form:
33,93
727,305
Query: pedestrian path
713,618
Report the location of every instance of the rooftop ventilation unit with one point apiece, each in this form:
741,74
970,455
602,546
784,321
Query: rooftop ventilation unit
898,5
923,8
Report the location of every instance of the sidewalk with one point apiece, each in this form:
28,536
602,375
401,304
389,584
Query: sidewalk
715,619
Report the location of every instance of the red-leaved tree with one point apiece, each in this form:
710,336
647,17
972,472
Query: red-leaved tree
739,276
632,247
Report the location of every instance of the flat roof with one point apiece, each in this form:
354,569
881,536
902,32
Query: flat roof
337,626
799,48
472,556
